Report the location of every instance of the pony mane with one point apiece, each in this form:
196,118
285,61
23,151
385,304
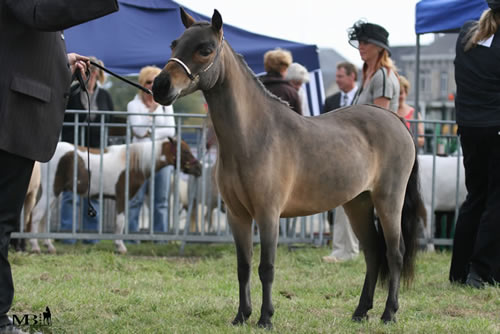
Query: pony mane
245,66
259,83
141,157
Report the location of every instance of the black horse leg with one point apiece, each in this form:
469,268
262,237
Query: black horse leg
360,213
269,240
395,250
372,260
242,234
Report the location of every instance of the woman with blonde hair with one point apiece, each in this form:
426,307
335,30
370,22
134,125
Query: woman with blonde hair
276,63
380,84
100,99
407,112
149,122
475,259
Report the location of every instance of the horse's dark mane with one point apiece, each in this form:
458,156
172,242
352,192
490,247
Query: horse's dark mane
259,83
246,67
201,23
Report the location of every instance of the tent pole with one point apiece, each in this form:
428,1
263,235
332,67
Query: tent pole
417,86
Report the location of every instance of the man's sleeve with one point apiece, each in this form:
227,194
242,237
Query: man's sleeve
54,15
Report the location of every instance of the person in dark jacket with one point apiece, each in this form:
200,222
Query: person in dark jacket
34,87
476,245
100,99
276,63
345,78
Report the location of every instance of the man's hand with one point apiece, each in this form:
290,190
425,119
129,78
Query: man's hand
79,63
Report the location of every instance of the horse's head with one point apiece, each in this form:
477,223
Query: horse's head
189,164
195,62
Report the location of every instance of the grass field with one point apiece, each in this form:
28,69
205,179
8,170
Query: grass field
153,289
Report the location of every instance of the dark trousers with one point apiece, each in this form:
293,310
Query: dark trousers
15,174
476,245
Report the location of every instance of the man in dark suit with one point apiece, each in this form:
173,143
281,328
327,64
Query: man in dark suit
344,243
34,87
345,77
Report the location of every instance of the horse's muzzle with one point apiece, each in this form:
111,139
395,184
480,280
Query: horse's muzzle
162,90
194,169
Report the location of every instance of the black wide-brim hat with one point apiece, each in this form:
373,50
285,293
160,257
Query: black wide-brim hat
368,32
494,4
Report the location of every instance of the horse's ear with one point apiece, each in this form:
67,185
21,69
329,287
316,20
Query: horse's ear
171,140
187,19
217,21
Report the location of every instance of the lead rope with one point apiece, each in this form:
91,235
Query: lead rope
91,212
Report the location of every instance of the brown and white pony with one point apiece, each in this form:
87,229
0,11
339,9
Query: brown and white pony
113,179
33,193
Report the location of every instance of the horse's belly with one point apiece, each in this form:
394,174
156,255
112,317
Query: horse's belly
320,199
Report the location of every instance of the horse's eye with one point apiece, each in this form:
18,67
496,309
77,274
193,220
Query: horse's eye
205,52
173,44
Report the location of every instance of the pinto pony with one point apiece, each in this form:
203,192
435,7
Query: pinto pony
275,163
113,179
32,195
445,185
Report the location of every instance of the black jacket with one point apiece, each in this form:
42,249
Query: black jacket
35,74
283,89
104,102
332,102
477,74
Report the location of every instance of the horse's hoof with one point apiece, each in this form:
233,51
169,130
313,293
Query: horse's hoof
52,250
240,319
266,324
360,318
388,319
237,322
36,251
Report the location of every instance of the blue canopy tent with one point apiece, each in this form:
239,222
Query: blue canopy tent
140,34
441,16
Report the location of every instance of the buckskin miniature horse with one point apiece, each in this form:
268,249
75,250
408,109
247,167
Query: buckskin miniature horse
113,178
274,163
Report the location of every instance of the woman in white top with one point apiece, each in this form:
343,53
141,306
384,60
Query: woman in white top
380,85
142,125
151,121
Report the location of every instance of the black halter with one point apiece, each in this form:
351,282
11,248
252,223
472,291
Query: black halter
186,69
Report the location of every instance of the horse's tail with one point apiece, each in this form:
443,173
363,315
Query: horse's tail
413,214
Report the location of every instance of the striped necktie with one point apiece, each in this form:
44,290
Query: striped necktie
345,98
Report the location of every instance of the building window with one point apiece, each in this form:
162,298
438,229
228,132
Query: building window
425,81
444,84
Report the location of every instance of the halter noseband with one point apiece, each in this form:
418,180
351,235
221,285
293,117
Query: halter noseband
188,71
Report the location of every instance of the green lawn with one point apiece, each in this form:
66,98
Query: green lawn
153,289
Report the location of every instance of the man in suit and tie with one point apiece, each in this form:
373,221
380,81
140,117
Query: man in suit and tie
345,77
34,89
345,245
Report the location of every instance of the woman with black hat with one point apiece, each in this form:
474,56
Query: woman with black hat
380,83
476,245
380,86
